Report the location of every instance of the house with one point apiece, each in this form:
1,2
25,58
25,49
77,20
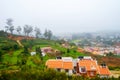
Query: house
50,50
47,50
103,71
63,65
89,67
83,66
43,54
33,53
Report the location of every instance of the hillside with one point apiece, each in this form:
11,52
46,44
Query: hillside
16,59
17,42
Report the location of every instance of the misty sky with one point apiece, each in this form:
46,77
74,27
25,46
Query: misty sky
63,15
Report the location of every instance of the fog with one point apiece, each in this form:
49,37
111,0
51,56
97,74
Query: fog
63,16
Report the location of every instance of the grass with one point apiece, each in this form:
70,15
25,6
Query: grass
12,58
74,55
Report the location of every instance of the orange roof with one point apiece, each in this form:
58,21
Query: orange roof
92,65
54,63
67,65
88,64
59,64
104,70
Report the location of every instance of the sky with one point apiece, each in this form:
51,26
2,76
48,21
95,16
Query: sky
62,16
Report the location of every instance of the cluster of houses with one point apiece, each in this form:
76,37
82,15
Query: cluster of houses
101,50
83,66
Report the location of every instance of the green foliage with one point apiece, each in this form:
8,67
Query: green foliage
38,51
68,50
8,45
33,74
114,68
45,74
26,52
15,47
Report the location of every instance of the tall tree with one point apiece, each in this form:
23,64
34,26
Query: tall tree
9,26
27,29
49,34
38,51
37,32
46,33
18,29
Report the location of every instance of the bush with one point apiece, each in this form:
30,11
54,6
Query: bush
33,74
15,47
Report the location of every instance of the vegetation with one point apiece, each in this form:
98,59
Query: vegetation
46,74
16,63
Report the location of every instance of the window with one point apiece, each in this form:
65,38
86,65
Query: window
58,69
66,70
82,69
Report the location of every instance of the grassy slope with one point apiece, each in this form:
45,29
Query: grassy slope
35,61
12,57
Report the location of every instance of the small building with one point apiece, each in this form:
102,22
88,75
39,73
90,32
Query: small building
33,53
43,54
47,50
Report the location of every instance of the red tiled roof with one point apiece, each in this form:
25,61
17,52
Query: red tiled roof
59,64
54,63
67,65
104,70
88,64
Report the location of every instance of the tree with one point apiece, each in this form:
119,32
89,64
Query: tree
46,33
38,51
49,33
1,55
18,29
37,32
9,26
68,50
26,52
27,29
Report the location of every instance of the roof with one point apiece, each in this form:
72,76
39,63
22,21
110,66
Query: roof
104,70
67,65
92,65
54,63
88,64
46,48
59,63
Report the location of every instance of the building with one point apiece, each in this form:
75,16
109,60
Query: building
83,66
47,50
65,64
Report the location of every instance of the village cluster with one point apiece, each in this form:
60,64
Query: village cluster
82,66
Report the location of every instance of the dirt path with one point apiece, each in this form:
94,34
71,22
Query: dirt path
19,43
